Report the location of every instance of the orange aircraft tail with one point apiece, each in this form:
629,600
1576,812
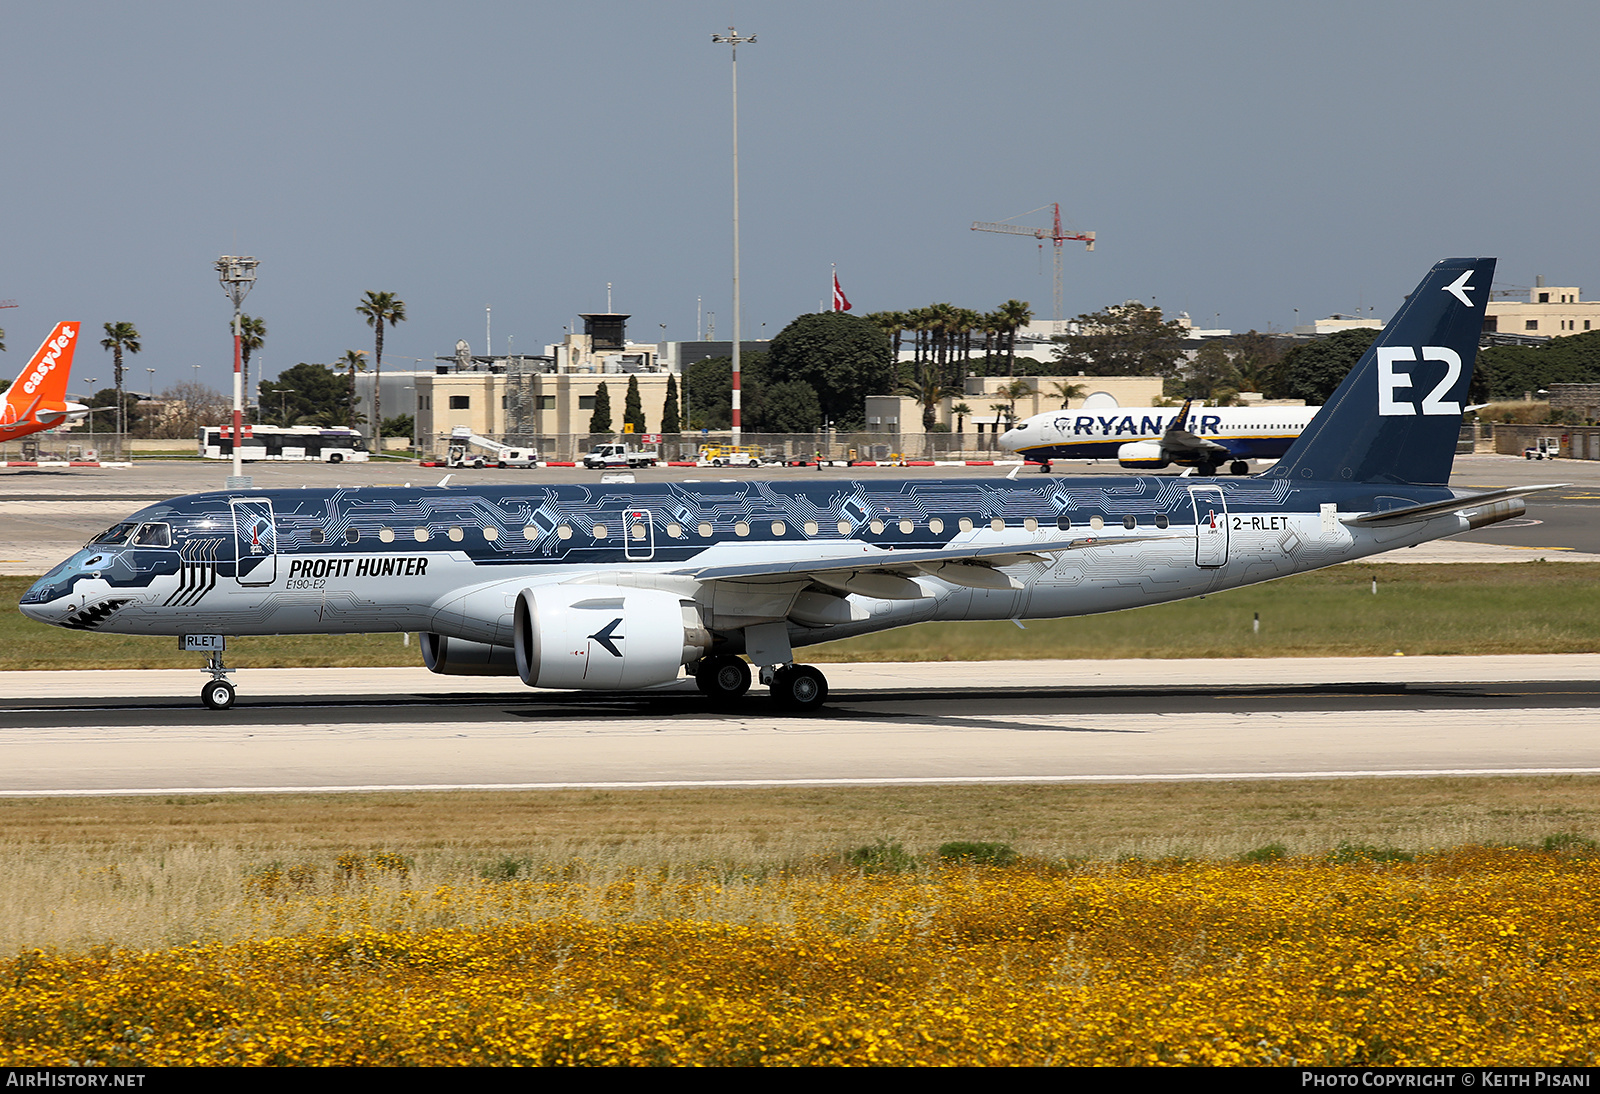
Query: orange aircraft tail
42,384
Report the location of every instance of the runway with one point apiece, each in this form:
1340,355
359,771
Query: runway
395,729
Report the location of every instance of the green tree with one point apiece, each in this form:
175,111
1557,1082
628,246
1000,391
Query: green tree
402,425
128,413
379,308
600,420
1124,340
1066,391
790,407
120,338
842,357
670,421
353,361
962,412
1010,317
252,335
1210,376
306,392
633,406
1509,372
1259,359
708,392
1313,369
2,340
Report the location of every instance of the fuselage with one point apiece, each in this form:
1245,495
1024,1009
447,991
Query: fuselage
1247,433
452,561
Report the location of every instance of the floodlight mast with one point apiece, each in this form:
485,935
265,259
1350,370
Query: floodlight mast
238,277
733,40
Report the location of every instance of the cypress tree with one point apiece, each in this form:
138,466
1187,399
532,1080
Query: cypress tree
670,423
601,420
633,407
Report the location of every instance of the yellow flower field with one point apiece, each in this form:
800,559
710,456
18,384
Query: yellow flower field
1477,956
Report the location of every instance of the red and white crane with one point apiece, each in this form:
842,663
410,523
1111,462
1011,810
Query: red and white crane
1056,235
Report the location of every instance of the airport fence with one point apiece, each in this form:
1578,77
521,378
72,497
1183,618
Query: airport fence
831,445
74,447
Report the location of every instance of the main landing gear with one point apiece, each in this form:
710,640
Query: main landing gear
218,692
724,679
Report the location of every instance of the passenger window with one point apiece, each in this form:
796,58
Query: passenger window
1161,520
1064,522
491,533
1031,525
811,527
705,529
351,535
1130,522
777,528
844,528
1096,523
420,535
386,535
599,531
316,536
637,532
457,535
564,531
997,524
530,533
906,527
966,524
675,530
936,526
876,526
741,528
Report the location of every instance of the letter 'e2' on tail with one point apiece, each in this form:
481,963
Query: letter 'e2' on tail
1397,416
42,384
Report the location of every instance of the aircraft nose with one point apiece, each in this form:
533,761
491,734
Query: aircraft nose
45,601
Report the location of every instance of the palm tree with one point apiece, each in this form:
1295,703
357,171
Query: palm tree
353,361
2,339
120,338
1066,391
379,307
960,410
252,333
1013,314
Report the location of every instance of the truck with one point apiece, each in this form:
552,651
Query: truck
621,455
727,455
463,440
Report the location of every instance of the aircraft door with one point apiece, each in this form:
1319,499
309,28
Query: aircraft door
1210,526
638,535
255,541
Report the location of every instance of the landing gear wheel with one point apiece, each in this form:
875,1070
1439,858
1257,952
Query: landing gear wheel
1239,467
800,688
1208,469
724,678
217,694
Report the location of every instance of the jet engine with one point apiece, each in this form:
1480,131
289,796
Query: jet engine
459,657
1142,455
605,636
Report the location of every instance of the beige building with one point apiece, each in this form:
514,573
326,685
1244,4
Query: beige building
1551,311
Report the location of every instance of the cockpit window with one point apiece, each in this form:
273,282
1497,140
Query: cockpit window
153,534
114,536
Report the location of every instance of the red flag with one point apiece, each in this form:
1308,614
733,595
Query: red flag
840,301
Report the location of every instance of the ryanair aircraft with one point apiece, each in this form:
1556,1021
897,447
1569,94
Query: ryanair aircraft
612,586
1149,438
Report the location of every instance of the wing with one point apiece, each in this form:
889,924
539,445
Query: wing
1178,441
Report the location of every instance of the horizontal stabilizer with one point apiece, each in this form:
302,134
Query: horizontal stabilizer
1452,505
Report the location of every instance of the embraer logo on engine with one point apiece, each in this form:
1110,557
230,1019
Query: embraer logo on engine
607,638
1390,381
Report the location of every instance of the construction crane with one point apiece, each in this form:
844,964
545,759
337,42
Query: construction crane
8,303
1056,235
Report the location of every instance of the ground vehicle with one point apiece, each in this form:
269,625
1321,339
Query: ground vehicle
295,442
1545,448
730,455
620,455
463,440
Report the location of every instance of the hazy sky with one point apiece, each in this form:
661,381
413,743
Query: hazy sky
1245,159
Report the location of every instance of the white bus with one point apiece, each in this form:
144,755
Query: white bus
295,442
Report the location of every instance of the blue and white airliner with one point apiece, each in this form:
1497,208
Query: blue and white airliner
620,586
1150,438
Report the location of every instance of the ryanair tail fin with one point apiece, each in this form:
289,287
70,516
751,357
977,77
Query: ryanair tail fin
1397,416
42,385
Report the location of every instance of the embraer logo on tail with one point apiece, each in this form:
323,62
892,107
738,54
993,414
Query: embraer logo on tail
1390,381
1460,288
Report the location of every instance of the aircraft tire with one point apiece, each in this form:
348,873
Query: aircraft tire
723,679
1208,469
217,695
800,688
1239,467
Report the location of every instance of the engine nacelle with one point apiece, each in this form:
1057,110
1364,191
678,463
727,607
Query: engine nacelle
604,636
459,657
1143,455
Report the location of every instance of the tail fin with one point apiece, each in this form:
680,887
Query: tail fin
1397,416
42,385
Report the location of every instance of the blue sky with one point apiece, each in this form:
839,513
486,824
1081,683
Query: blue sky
1238,160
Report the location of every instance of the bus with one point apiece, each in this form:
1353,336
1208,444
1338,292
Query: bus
295,442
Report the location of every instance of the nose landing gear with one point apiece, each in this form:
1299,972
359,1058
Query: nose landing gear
218,693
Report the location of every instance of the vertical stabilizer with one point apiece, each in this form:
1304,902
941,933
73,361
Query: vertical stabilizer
42,384
1397,416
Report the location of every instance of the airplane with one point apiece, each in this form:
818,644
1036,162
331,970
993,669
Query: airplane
37,399
1150,438
612,586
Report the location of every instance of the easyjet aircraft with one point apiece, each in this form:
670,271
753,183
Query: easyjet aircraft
38,398
609,586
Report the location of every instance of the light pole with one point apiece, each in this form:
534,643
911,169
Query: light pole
733,40
283,404
238,277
